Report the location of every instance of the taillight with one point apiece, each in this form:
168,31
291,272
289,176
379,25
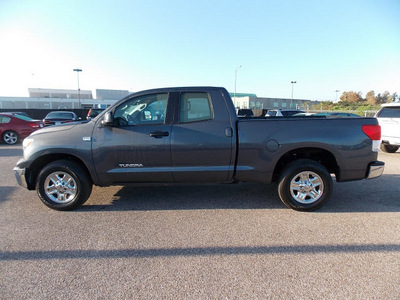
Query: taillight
34,125
372,131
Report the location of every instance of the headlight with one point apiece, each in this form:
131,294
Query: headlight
26,143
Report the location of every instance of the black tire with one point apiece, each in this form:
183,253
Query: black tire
305,185
389,148
63,185
10,137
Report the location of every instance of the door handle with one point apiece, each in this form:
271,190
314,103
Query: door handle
228,132
159,134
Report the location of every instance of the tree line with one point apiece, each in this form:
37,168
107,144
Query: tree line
370,98
355,102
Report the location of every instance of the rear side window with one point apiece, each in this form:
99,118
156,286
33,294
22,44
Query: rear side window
390,112
195,107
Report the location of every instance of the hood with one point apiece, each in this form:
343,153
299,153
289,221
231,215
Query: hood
57,128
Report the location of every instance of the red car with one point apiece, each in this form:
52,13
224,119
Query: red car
15,127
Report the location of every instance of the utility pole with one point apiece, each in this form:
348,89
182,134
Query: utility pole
234,94
79,90
336,91
291,102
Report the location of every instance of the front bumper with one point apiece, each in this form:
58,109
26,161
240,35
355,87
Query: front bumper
20,177
375,169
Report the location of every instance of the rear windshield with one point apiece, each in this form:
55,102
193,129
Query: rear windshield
25,118
390,112
289,113
60,115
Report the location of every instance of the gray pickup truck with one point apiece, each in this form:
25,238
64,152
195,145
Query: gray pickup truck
193,135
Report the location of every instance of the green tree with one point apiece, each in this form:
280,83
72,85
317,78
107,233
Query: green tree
387,97
344,97
351,97
395,96
370,98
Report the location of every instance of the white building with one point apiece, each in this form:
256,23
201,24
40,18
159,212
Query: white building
59,93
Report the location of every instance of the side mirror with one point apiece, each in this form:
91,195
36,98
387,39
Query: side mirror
107,120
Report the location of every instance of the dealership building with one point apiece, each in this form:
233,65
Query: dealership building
251,101
40,98
54,99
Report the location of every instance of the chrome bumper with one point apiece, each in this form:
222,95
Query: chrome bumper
375,169
20,176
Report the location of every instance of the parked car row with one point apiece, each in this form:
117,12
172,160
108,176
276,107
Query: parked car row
287,112
15,127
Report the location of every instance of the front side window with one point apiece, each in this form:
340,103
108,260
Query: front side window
195,107
144,110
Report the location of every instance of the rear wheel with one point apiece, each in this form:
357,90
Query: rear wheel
10,137
305,185
389,148
63,185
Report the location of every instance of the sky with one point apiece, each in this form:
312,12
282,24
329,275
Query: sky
345,45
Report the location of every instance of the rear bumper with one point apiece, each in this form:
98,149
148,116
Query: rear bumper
393,141
375,169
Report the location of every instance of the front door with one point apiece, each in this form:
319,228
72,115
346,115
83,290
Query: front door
137,148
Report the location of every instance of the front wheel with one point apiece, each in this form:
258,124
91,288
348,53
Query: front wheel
63,185
305,185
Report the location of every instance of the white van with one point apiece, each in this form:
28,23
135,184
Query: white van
389,119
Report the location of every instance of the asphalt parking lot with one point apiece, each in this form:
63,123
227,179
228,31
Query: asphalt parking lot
201,242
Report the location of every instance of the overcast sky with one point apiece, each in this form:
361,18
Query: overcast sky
134,45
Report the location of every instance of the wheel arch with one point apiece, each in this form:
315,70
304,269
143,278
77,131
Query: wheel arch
35,168
319,155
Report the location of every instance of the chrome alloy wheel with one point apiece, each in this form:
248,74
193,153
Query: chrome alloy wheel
60,187
306,187
10,137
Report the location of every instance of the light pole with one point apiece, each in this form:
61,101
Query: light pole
79,90
291,102
336,91
234,94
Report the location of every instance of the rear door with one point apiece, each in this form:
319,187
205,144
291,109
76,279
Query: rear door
202,138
